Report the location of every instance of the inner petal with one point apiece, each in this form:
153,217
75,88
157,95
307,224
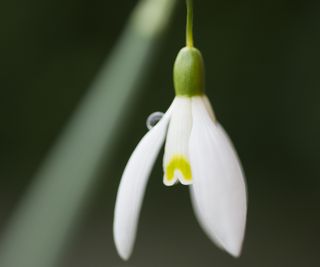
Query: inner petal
176,162
178,169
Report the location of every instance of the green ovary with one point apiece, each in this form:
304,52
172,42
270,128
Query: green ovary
188,73
179,162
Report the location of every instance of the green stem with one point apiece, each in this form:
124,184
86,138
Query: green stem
189,30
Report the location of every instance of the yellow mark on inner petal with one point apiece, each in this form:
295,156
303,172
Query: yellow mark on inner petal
179,163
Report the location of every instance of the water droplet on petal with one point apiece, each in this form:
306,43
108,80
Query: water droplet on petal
153,119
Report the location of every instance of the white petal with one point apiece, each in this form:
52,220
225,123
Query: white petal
176,157
218,191
209,108
132,186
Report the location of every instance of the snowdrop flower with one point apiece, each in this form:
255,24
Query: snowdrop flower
198,153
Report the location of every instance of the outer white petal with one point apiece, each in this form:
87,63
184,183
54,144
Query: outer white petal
132,186
209,108
176,163
218,191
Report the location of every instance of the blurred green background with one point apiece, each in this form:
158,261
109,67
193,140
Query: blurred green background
262,61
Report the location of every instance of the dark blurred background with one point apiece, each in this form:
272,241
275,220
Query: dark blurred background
262,61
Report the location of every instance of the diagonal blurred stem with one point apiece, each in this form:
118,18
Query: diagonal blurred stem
44,220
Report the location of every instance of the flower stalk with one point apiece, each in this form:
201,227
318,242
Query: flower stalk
189,28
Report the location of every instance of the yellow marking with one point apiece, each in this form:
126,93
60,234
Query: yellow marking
179,162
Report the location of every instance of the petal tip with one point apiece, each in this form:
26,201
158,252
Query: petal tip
232,244
169,182
124,256
234,249
123,248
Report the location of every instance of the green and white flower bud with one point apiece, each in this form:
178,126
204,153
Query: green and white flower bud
188,72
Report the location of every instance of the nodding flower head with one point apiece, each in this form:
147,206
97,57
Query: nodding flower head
198,153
